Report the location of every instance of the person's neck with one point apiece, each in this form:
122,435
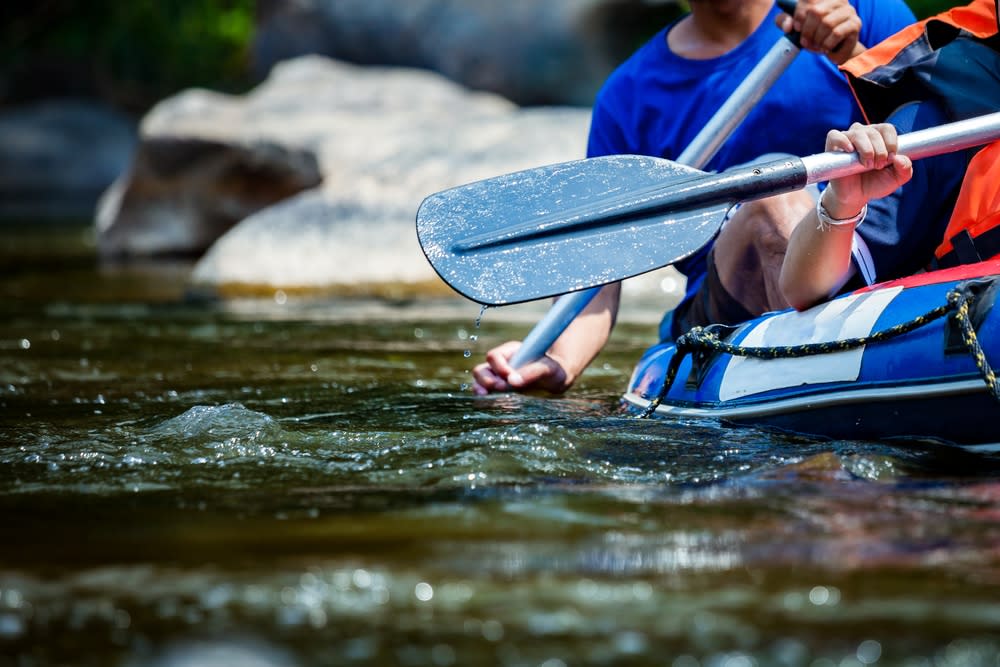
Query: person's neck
715,27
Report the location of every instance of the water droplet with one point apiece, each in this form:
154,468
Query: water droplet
669,285
280,297
25,344
819,595
424,591
467,354
362,578
482,311
869,651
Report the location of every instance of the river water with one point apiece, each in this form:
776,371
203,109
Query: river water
304,481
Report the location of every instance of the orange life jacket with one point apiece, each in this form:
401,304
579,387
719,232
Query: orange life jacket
953,57
973,233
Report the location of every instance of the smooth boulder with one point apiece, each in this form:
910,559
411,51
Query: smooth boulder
382,140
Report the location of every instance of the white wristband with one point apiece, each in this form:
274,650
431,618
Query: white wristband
826,221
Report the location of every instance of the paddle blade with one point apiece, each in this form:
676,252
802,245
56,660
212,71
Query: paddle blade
560,228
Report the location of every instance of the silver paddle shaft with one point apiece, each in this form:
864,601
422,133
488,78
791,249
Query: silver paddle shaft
915,145
715,133
697,154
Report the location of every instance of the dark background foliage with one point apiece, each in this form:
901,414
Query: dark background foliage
925,8
128,52
133,53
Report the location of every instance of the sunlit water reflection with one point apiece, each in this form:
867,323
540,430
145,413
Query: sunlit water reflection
307,482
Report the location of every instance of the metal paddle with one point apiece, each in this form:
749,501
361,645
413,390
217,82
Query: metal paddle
584,223
697,154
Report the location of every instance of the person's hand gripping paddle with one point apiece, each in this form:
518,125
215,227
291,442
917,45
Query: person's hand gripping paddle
701,150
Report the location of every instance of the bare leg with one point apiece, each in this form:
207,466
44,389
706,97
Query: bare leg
751,247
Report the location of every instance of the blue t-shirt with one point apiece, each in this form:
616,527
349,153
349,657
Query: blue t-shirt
656,102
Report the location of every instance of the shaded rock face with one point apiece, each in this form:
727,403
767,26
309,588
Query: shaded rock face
184,192
531,52
57,157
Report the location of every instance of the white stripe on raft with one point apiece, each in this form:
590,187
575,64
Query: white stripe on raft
853,316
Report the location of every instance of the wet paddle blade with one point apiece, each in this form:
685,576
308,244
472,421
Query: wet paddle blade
559,228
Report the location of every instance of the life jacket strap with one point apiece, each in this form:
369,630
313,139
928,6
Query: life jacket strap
967,249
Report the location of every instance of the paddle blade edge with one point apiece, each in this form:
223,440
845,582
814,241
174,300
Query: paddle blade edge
615,246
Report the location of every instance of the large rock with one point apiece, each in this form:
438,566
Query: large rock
385,139
381,139
184,192
58,157
551,52
198,170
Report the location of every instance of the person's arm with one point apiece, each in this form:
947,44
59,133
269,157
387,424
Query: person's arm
565,361
830,27
818,259
586,335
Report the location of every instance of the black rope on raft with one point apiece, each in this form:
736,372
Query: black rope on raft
958,301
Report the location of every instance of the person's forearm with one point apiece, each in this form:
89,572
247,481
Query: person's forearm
818,258
817,262
584,338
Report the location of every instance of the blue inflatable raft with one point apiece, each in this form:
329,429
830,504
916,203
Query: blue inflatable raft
908,359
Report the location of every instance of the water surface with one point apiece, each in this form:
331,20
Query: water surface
306,481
